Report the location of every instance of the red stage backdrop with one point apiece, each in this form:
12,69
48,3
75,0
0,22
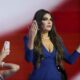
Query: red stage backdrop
66,20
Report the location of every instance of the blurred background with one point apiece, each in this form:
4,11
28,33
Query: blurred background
15,19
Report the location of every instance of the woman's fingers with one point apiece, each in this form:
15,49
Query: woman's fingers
33,30
34,25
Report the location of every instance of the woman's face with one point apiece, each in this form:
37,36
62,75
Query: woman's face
46,22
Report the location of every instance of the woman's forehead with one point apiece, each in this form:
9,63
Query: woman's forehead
47,15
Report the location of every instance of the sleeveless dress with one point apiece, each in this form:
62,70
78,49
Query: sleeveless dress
47,69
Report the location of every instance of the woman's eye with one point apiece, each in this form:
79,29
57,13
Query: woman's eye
44,19
51,19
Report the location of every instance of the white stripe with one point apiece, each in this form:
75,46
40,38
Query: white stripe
15,13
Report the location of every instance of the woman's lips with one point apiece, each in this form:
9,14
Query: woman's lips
48,25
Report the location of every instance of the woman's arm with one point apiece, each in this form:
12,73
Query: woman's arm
29,41
28,51
70,58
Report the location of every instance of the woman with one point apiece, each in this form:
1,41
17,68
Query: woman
44,48
13,67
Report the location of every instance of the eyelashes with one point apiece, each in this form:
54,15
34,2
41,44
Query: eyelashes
51,19
46,19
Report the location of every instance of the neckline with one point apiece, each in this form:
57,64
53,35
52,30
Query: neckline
47,50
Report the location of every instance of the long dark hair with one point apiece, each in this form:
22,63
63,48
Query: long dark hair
56,40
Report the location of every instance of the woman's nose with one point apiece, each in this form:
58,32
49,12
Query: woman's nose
49,22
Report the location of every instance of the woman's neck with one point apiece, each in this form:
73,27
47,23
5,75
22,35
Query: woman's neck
44,35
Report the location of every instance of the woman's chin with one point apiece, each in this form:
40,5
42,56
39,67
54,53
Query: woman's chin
49,29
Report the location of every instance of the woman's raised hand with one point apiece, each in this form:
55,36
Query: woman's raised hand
33,30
